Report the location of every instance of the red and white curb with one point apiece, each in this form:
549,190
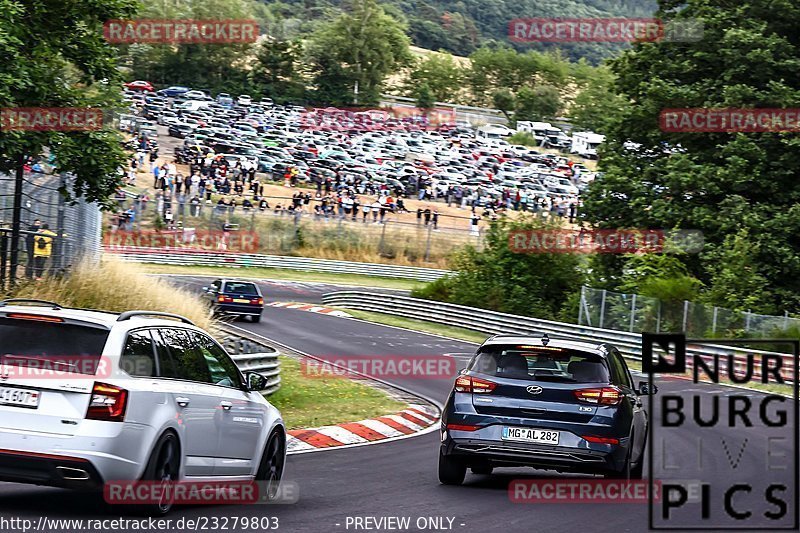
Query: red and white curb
311,308
416,419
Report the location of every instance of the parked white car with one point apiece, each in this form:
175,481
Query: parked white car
137,396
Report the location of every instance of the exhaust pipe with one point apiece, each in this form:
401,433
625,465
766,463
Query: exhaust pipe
73,474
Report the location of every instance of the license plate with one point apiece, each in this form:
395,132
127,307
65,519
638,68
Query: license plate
538,436
240,301
19,397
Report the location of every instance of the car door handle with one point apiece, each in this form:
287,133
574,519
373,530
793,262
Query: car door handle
183,402
226,405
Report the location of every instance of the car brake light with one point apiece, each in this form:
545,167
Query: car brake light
600,440
38,318
474,385
108,403
600,396
463,427
224,299
259,301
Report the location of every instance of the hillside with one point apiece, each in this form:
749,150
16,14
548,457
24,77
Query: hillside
461,26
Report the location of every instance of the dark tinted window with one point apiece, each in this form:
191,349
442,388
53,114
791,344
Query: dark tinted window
138,358
222,369
241,288
49,345
619,371
186,361
540,363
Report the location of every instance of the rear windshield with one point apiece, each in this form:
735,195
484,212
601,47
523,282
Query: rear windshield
241,288
51,346
541,363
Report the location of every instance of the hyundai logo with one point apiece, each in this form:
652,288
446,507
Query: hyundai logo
534,389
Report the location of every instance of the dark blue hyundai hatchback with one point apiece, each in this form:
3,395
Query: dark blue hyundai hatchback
548,404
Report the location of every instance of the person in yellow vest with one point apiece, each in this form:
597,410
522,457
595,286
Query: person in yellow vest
42,249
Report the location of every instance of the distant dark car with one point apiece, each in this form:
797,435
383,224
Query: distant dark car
172,92
236,298
554,405
180,130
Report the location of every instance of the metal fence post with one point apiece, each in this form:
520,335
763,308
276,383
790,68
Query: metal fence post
685,313
747,320
785,320
581,304
382,242
714,320
602,308
428,244
633,312
658,318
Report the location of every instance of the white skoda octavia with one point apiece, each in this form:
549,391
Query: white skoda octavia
88,397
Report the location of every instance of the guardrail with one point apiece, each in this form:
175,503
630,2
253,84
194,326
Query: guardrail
183,256
492,322
255,357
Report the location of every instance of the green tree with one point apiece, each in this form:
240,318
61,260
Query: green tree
215,67
424,97
441,73
55,55
501,279
597,104
540,102
505,101
720,183
276,71
360,48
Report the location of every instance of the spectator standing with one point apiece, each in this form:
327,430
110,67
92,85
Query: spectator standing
42,250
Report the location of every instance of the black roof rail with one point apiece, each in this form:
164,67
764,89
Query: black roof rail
130,314
13,301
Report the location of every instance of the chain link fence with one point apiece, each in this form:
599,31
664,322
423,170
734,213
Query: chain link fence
635,313
66,232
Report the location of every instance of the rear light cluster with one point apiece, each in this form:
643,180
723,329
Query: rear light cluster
463,427
600,396
224,299
474,385
108,403
601,440
259,301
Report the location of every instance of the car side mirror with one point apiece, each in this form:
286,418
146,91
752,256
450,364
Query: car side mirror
255,381
645,389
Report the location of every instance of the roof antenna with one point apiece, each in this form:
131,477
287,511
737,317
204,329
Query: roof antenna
545,339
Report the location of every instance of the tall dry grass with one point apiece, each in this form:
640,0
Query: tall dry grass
116,286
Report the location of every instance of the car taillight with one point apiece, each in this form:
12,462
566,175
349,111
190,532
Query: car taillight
600,440
108,403
474,385
224,299
259,301
463,427
600,396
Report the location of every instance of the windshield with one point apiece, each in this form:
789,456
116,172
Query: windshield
541,363
241,288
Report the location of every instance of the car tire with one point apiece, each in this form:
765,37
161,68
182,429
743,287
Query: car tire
451,470
164,466
255,319
270,470
629,470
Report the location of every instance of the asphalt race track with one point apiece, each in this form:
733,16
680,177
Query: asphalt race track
399,478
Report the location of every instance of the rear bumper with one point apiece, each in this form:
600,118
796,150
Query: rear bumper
510,454
233,309
48,469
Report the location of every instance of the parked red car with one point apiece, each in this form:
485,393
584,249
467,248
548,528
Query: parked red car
140,85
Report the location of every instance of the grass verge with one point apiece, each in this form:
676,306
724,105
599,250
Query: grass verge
320,401
288,275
